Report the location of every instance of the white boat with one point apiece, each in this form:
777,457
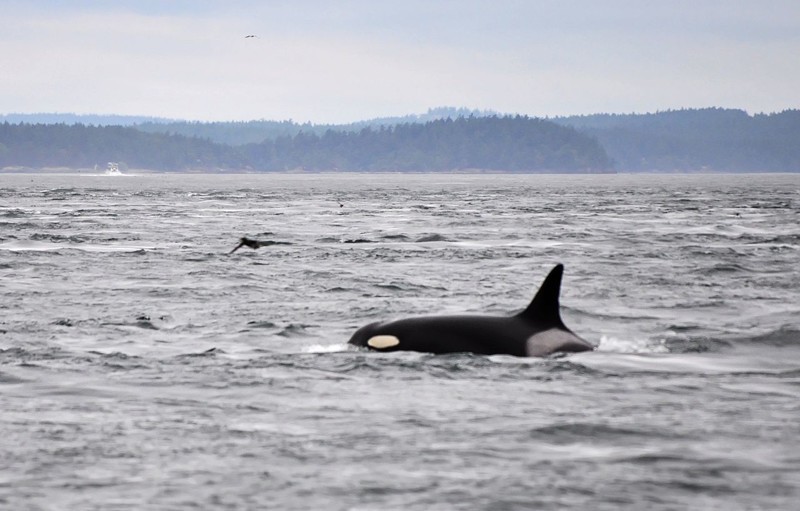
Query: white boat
113,169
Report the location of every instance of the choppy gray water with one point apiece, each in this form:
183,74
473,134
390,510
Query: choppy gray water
142,368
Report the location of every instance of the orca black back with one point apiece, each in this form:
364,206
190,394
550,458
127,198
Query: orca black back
536,331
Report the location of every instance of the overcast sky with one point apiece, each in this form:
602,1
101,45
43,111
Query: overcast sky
347,60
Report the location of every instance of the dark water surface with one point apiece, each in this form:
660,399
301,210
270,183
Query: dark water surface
142,368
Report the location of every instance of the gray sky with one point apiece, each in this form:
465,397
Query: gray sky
347,60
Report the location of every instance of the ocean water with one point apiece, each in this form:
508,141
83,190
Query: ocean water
142,367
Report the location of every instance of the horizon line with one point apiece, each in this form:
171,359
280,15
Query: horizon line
430,111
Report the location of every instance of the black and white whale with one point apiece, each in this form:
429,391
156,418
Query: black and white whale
537,331
254,244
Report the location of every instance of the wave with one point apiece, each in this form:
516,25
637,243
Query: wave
409,287
76,244
210,352
395,237
18,355
570,432
724,268
10,379
328,348
429,238
781,337
142,321
63,191
573,311
634,345
13,213
295,330
785,336
58,238
117,361
792,240
259,324
338,289
696,344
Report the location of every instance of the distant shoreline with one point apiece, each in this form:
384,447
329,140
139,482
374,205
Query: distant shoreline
91,171
135,172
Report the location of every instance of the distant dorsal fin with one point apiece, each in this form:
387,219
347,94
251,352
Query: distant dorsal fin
545,306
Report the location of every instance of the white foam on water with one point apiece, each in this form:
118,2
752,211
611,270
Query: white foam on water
41,246
617,345
326,348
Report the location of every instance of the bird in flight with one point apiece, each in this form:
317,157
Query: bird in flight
250,36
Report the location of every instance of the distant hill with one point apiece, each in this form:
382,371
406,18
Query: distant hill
254,132
708,139
515,144
518,144
36,146
87,119
433,114
688,140
234,133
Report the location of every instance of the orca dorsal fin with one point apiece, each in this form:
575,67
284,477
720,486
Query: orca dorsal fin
545,307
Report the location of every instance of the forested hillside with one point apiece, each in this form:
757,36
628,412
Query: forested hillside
235,133
710,139
254,132
78,146
518,144
87,119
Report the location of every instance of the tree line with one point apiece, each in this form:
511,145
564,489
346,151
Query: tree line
519,144
707,139
78,146
710,139
253,132
516,144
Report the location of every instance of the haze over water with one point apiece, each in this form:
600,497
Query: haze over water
143,368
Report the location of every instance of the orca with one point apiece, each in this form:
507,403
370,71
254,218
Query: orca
247,242
537,331
255,244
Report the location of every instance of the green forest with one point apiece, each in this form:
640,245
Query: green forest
77,146
253,132
443,139
517,144
708,139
